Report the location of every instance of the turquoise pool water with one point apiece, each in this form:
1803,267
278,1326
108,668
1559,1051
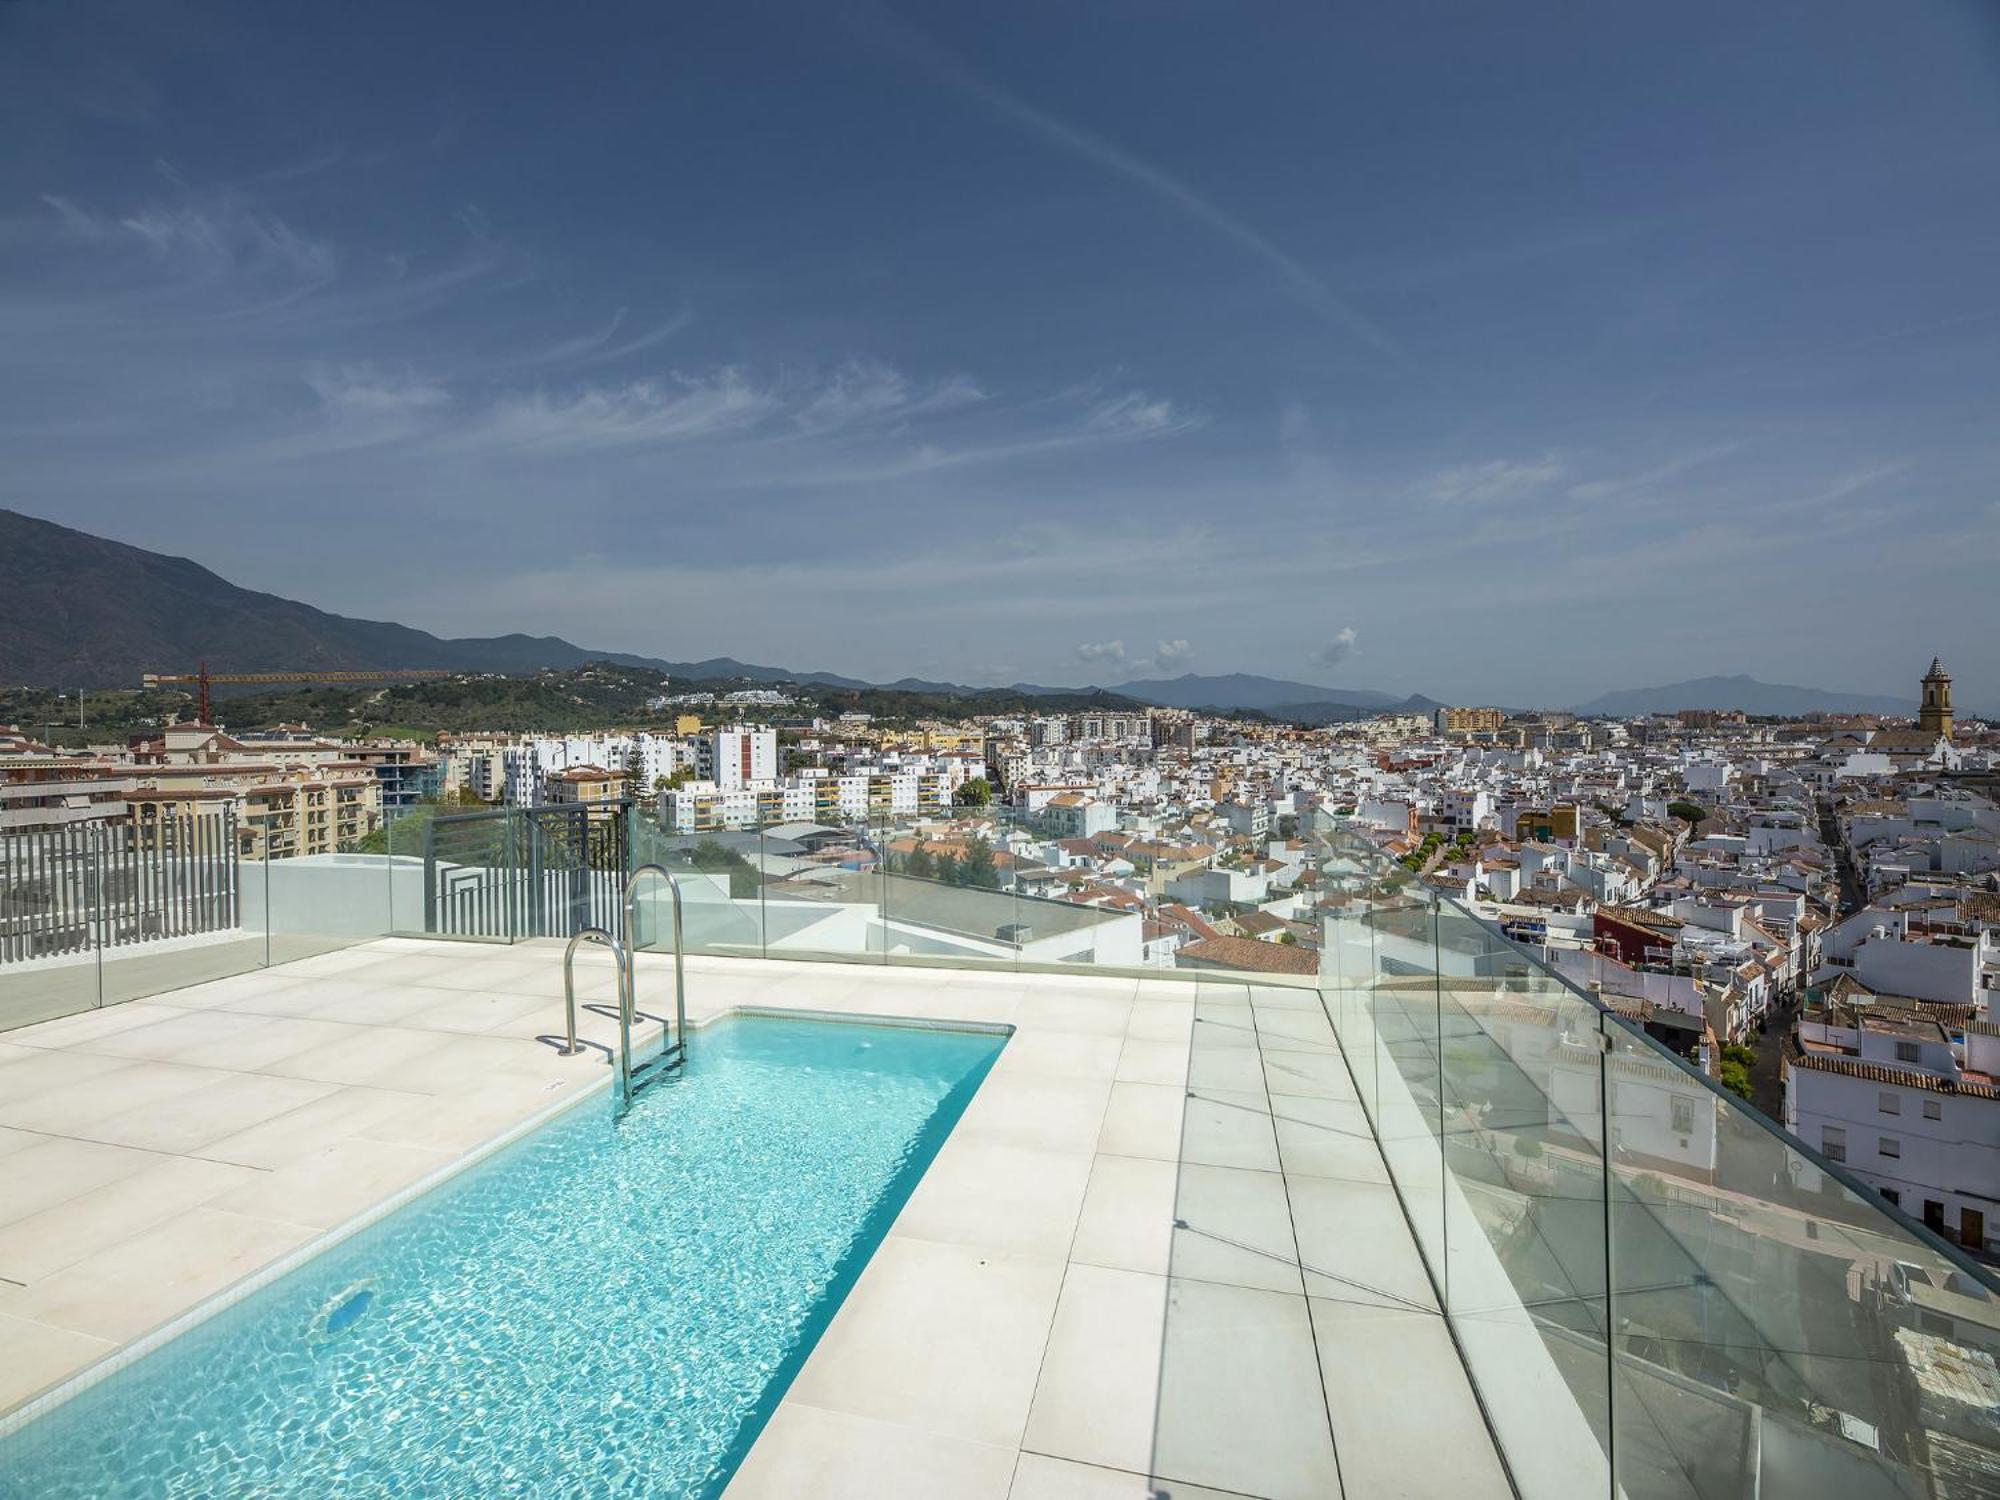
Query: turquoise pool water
600,1309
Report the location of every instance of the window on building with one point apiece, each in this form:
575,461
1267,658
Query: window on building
1893,1196
1909,1052
1683,1115
1888,1145
1933,1109
1833,1141
1888,1103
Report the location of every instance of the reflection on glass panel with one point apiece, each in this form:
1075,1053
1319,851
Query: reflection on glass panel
722,875
321,902
1523,1276
1772,1321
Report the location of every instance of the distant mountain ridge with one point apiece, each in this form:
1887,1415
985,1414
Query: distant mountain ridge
78,610
1745,694
1247,690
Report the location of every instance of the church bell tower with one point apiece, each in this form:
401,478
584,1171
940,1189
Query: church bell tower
1935,716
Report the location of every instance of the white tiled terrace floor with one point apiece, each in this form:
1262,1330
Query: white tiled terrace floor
1011,1337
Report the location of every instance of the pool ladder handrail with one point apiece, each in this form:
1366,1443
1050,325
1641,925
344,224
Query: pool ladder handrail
672,1054
625,956
604,939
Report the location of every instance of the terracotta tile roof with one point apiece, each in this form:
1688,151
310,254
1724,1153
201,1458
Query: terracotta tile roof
1249,953
1854,1067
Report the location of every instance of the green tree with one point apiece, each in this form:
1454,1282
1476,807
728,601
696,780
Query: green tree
977,792
1736,1078
921,864
1689,812
978,868
744,881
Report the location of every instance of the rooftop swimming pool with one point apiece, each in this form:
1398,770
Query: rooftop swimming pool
600,1308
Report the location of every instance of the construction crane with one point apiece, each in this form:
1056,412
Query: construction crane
202,678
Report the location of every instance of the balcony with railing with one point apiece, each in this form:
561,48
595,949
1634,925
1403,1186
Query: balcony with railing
1423,1219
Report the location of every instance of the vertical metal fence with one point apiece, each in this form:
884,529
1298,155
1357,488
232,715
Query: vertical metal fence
526,872
99,885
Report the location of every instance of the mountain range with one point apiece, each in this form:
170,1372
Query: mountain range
78,610
1770,699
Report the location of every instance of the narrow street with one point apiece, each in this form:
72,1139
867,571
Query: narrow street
1852,896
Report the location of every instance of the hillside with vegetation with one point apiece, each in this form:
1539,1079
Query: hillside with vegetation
601,695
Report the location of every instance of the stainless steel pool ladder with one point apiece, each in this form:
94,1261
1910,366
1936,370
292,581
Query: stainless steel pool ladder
675,1054
631,1079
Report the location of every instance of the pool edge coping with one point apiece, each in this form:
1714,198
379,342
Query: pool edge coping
13,1419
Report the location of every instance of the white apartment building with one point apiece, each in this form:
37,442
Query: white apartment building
812,796
1893,1100
527,764
737,756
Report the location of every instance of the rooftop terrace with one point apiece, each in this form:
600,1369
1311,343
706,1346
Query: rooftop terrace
1426,1221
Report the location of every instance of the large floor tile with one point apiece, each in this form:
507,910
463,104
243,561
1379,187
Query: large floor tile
40,1244
1235,1226
91,1029
222,1105
1095,1398
1062,1054
1143,1119
1019,1200
128,1086
1240,1402
389,1057
334,1183
1079,1012
1224,1130
1237,1069
941,1337
1160,1021
1153,1062
1039,1477
1128,1215
1312,1073
39,1356
53,1169
1319,1137
1355,1244
1404,1419
1027,1109
143,1281
831,1455
346,1112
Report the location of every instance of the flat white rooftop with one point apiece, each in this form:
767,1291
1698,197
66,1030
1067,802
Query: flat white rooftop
1035,1325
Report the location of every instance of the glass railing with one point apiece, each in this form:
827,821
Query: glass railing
1654,1290
96,914
1643,1287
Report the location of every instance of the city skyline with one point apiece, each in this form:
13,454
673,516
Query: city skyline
1337,349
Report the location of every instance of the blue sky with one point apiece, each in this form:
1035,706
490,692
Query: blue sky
1500,353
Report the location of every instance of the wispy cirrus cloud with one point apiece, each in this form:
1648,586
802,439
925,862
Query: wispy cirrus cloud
361,389
1495,481
205,234
1305,285
1673,468
863,391
676,409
